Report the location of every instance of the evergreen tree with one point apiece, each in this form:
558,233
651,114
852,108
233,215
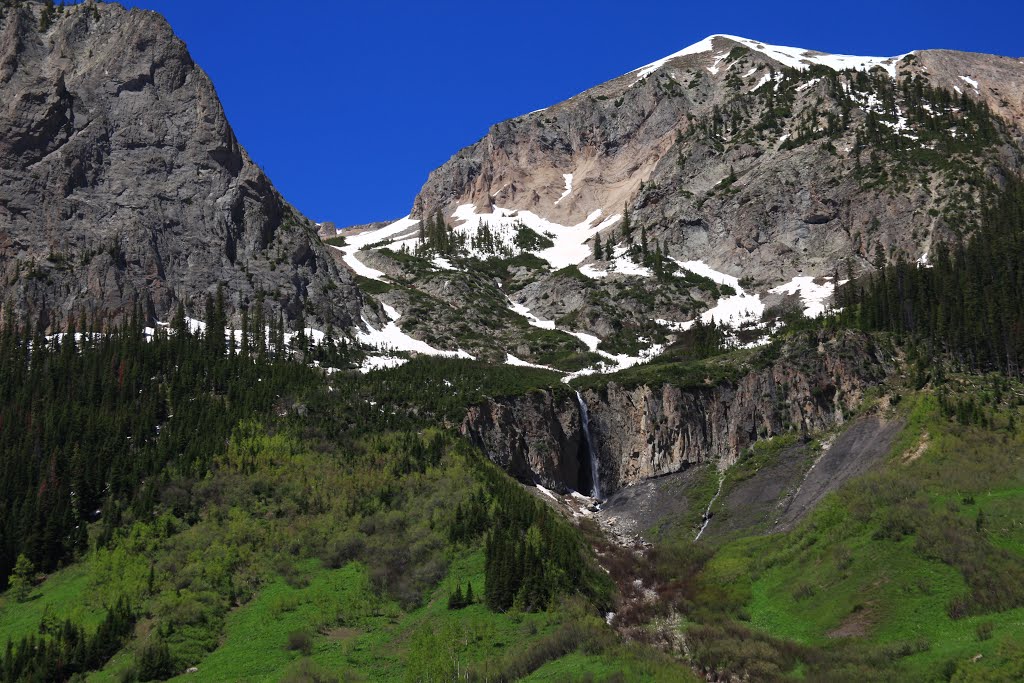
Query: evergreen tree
155,662
243,342
455,600
46,18
21,578
969,304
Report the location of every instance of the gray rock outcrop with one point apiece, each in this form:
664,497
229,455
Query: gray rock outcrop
727,156
535,438
646,431
122,183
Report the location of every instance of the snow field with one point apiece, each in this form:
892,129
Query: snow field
795,57
812,295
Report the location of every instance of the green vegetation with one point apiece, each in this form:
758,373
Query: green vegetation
528,240
692,362
892,577
969,305
310,531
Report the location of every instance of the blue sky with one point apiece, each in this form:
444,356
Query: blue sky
349,105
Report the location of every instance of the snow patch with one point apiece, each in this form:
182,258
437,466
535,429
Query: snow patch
809,84
441,263
371,363
617,362
530,317
391,339
970,81
718,60
519,362
764,79
546,492
734,311
355,243
620,263
812,295
568,187
794,57
570,246
589,340
705,45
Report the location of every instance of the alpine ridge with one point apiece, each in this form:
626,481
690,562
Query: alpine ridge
733,183
122,184
713,372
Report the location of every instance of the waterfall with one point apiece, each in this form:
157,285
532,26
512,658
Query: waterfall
707,513
595,481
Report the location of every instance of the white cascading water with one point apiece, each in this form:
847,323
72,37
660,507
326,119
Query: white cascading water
588,444
707,513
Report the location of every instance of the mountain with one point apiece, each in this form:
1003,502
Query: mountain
615,414
734,181
779,118
123,185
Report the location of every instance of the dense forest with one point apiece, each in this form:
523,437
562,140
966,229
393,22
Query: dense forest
967,302
92,424
101,433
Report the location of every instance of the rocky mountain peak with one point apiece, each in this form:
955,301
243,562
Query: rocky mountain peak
734,182
122,182
722,45
733,107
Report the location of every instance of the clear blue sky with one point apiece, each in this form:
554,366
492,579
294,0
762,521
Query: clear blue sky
348,105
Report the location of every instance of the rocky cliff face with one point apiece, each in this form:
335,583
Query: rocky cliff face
763,162
777,173
535,438
646,431
121,182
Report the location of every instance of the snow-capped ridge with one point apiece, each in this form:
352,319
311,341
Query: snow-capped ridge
794,57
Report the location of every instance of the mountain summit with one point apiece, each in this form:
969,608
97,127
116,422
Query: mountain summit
123,185
732,182
793,57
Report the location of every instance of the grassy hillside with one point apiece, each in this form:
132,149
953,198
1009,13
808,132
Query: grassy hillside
915,571
322,539
331,528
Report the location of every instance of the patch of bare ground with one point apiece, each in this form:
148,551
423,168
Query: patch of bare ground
916,452
856,625
342,634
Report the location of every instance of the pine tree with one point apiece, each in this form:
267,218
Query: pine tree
21,578
598,250
46,18
455,600
178,326
243,343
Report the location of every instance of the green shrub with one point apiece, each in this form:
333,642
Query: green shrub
154,662
300,641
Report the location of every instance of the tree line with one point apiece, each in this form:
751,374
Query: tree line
968,301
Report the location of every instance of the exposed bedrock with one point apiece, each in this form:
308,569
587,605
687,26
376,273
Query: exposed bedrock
122,184
812,383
